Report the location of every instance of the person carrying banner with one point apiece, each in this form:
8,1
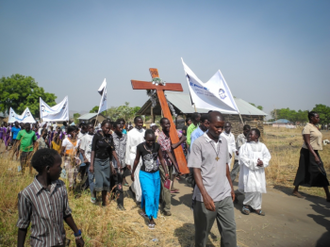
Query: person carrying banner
27,138
134,138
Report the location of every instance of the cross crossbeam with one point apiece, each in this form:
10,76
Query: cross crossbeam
147,85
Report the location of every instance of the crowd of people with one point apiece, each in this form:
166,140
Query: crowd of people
105,156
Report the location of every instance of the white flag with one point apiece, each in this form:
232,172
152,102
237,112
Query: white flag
103,91
212,95
26,116
59,112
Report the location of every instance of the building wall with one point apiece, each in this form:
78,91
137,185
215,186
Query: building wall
237,126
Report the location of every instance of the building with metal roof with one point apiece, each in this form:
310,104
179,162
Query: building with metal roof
182,105
89,117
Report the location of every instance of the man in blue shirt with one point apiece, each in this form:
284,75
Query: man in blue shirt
203,126
15,145
201,129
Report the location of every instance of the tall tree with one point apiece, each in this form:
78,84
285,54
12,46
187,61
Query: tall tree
94,110
259,106
324,113
75,117
19,91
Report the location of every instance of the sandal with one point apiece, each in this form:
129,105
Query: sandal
297,194
259,212
151,226
246,210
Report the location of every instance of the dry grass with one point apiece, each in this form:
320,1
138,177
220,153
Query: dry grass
106,226
284,146
101,226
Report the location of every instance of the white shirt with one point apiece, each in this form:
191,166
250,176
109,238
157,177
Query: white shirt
252,177
68,144
81,135
134,138
231,141
86,145
231,144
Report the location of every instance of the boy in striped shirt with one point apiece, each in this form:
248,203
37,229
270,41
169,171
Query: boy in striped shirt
44,203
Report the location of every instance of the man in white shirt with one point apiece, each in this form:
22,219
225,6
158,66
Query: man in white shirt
134,138
86,151
230,141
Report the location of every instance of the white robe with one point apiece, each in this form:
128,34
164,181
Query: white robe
252,178
231,145
134,138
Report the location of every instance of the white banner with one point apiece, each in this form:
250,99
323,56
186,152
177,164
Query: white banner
103,91
26,116
212,95
59,112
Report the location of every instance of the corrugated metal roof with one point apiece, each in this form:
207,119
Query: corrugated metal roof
87,116
182,102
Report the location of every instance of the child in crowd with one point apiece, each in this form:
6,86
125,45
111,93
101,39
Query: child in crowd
45,203
254,157
149,175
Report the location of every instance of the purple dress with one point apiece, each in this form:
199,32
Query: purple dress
1,132
8,137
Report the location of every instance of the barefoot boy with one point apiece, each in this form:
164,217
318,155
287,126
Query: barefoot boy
44,203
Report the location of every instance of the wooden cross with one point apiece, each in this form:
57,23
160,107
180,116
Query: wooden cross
147,85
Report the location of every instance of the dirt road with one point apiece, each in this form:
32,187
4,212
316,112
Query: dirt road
289,221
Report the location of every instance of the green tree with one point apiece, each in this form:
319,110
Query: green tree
75,117
94,110
259,106
324,113
291,115
124,111
19,91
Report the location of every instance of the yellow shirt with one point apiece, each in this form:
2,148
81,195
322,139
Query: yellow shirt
315,136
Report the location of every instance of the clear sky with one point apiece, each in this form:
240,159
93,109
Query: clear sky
272,53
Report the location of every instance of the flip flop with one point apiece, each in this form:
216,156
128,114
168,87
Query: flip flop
259,212
246,210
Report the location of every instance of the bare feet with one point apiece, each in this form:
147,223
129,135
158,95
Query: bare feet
297,194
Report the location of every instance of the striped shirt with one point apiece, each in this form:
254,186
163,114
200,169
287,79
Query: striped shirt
46,209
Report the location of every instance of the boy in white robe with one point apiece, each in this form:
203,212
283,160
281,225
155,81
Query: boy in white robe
134,138
254,157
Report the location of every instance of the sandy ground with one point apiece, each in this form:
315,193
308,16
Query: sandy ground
289,221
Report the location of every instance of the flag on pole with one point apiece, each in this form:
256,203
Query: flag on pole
212,95
26,116
103,91
59,112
